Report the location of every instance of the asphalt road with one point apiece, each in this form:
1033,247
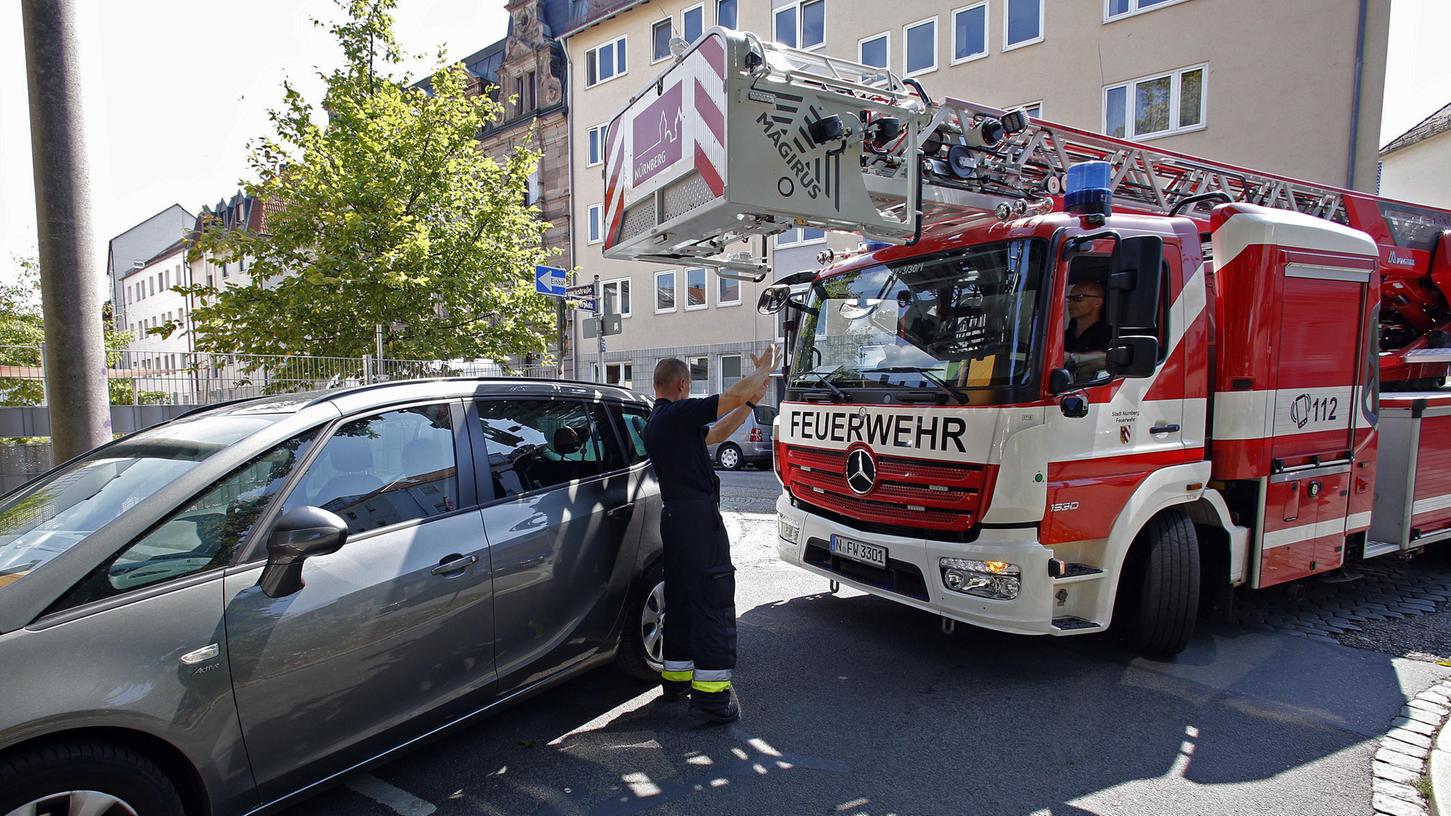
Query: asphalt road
856,705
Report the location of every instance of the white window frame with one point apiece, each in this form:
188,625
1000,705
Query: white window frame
1007,16
738,15
619,296
987,16
674,286
1176,78
800,243
1134,9
704,289
670,24
1035,103
720,365
800,29
705,383
906,29
623,381
885,35
594,224
599,142
700,7
740,290
619,71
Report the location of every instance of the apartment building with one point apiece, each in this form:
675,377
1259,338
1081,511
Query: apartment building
1416,164
136,246
1291,87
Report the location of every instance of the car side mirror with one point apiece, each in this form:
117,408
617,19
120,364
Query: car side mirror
1074,406
1133,356
1059,380
1133,283
297,536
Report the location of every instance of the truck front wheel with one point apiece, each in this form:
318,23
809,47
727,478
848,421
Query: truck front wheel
1158,598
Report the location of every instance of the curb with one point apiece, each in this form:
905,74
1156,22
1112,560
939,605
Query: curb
1408,748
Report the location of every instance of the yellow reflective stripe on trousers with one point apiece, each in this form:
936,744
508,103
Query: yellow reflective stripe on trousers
711,686
677,676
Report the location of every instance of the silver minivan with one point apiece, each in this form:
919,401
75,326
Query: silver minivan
219,614
751,444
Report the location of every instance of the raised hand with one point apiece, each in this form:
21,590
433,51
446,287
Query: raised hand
766,359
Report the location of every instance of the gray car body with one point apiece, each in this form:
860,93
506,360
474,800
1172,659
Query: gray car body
350,668
759,453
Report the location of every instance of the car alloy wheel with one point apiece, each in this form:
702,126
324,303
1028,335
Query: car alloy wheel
75,803
652,625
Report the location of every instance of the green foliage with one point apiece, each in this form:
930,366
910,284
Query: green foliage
389,213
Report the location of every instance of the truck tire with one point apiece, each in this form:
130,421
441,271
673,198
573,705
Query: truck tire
85,776
1159,590
641,642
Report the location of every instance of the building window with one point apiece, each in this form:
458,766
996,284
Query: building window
604,62
875,51
1033,109
692,23
797,236
919,47
621,374
660,41
594,223
617,297
596,139
1114,9
727,291
695,289
969,33
725,13
800,25
699,376
730,370
531,188
1023,23
1156,105
665,291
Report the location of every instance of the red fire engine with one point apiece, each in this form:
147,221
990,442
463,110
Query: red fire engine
938,445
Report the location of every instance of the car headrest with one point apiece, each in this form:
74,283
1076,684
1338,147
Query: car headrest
568,440
349,454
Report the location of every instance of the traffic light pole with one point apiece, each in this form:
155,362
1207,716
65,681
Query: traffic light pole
75,364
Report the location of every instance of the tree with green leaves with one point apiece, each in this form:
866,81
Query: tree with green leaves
388,213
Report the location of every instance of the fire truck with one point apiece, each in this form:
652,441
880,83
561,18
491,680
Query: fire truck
1263,409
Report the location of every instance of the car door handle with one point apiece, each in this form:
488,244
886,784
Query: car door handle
1170,428
454,563
621,512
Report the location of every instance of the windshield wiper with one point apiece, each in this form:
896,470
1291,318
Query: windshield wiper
927,374
837,395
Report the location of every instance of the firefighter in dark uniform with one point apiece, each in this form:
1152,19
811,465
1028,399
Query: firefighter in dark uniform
1086,339
700,583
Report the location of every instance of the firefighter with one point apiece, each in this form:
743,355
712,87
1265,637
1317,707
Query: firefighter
700,584
1085,341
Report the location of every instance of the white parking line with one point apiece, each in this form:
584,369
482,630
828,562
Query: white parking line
401,801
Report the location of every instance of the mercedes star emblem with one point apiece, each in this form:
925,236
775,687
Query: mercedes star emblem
861,471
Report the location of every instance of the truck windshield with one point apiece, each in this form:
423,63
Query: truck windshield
966,319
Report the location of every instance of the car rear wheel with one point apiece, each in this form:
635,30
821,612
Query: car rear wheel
729,457
91,778
643,643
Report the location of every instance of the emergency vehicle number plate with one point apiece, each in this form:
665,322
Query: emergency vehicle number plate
859,551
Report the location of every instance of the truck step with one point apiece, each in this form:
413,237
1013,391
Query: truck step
1070,623
1375,548
1072,573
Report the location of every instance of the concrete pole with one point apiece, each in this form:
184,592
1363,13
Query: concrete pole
75,374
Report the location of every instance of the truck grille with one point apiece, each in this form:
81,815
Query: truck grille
909,492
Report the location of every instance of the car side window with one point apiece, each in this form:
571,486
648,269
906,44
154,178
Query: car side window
632,419
535,444
385,469
201,536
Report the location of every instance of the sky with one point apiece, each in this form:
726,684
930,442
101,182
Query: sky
175,88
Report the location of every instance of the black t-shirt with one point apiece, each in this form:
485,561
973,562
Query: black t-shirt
675,440
1094,338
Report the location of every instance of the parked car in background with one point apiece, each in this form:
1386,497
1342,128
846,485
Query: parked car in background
750,444
221,613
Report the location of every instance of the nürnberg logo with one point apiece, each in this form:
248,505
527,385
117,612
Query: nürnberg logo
861,471
1125,433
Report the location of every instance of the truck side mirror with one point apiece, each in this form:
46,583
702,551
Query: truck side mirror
1133,283
773,298
298,535
1133,356
1059,380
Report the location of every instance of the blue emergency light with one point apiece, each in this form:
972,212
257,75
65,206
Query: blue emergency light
873,246
1088,191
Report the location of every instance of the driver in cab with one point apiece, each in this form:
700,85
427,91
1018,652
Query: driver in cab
1086,339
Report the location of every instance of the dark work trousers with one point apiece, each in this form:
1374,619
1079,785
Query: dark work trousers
700,593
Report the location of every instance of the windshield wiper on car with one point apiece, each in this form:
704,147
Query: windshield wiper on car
927,374
836,395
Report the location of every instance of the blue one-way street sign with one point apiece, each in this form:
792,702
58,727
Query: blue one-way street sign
549,280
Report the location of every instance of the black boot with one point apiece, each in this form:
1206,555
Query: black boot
719,707
675,691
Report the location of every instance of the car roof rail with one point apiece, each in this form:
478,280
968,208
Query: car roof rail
358,389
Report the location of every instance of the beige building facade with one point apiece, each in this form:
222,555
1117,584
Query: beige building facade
1416,166
1269,85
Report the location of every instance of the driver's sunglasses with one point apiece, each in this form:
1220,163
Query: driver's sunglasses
1079,298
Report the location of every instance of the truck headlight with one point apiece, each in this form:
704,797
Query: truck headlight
997,580
787,529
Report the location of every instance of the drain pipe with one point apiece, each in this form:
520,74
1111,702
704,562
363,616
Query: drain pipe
1355,98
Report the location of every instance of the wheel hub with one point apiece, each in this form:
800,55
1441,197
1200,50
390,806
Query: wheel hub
652,624
75,803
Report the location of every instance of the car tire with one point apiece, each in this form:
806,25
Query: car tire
88,773
642,642
729,457
1159,589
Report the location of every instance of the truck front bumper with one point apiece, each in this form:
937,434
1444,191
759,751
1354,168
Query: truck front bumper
914,571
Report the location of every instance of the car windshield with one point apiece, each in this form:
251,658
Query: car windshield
49,516
960,320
